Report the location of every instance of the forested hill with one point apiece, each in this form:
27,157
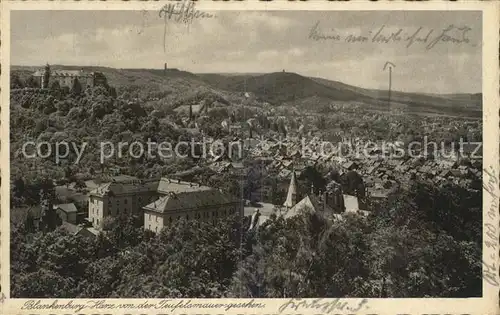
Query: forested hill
280,88
291,87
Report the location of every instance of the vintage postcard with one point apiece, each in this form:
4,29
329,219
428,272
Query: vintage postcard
249,157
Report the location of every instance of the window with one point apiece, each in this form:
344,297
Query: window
213,213
156,229
156,218
170,219
125,201
149,216
187,217
150,226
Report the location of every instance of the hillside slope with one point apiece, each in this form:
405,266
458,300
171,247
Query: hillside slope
280,87
284,87
466,101
172,79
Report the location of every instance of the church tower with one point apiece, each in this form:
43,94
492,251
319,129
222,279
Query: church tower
291,197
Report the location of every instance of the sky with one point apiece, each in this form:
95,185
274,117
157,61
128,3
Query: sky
262,42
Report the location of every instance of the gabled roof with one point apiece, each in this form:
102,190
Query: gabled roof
64,73
66,207
303,206
310,204
168,185
190,200
71,228
292,192
125,188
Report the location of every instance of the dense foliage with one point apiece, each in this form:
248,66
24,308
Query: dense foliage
414,246
425,240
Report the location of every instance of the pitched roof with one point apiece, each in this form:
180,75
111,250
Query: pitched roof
311,204
125,188
292,192
303,206
71,228
66,207
190,200
167,185
64,73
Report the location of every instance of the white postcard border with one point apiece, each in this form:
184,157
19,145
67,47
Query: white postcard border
488,304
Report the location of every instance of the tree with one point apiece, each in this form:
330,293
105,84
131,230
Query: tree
112,92
46,77
15,82
55,86
31,82
80,184
76,87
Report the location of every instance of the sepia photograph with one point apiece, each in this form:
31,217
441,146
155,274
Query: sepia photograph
178,153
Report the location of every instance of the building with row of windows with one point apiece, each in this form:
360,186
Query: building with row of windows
162,202
190,201
66,78
120,198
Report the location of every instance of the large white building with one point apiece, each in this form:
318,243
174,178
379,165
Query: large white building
161,202
189,201
120,197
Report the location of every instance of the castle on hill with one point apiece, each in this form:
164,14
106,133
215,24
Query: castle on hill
66,78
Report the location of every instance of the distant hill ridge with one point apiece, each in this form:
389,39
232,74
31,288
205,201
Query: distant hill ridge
283,87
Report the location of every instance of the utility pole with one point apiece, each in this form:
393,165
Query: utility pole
389,65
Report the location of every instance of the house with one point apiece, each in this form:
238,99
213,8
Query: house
350,166
67,212
446,173
120,197
73,229
372,168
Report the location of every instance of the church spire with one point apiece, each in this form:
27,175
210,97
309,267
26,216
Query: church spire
291,198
